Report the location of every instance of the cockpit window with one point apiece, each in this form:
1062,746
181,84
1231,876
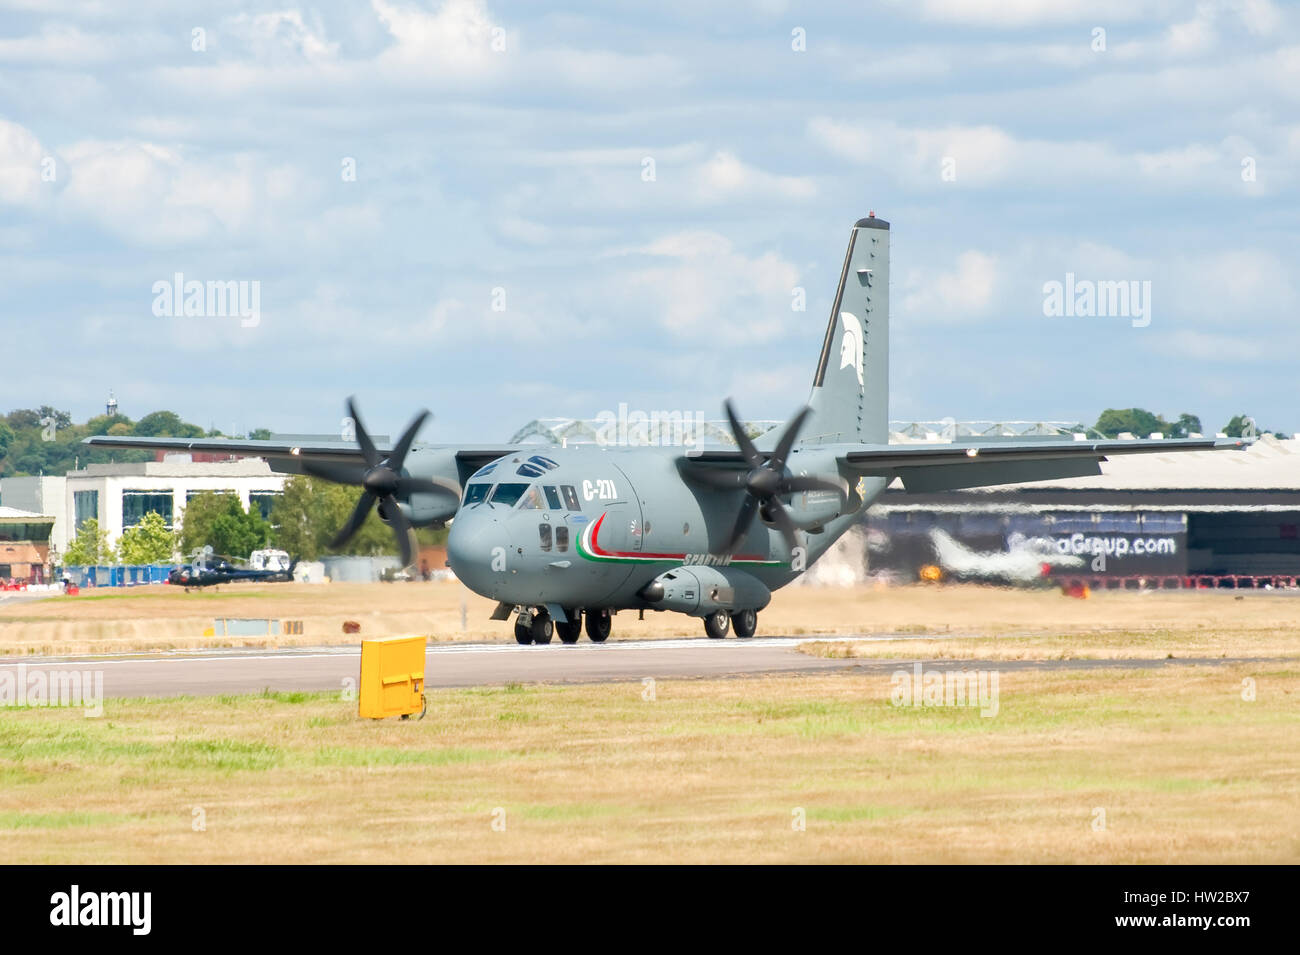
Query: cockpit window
475,493
552,497
571,497
532,501
536,466
485,469
507,494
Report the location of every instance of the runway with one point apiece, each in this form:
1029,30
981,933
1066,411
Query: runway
209,672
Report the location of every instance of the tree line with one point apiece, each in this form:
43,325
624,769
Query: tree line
46,440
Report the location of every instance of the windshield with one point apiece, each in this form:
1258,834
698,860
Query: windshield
507,494
475,493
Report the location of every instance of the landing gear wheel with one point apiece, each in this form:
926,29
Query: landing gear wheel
543,628
717,624
744,623
571,631
522,632
599,623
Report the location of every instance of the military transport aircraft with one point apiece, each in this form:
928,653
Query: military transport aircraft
560,537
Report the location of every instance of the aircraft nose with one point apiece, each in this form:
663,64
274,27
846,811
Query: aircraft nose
478,552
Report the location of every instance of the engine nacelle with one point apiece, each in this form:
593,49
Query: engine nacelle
699,590
424,509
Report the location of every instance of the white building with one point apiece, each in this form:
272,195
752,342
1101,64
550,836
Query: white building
119,495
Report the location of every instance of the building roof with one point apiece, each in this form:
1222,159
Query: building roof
178,466
23,517
1267,465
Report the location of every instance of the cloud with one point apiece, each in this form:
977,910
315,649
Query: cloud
967,291
455,39
960,157
20,164
724,177
713,293
1024,13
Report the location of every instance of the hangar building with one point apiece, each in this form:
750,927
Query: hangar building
1226,517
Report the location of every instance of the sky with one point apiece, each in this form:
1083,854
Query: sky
502,212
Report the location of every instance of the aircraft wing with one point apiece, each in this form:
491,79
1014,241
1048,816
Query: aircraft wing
944,467
272,451
287,458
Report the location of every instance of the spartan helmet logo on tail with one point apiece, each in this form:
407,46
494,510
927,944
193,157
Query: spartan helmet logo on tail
851,344
850,397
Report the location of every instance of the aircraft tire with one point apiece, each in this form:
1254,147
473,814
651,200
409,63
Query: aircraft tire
717,624
599,623
543,628
744,623
571,631
523,634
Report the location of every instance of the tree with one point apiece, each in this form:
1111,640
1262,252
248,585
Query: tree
149,542
309,513
1185,425
260,434
166,424
90,547
1244,426
217,519
1136,421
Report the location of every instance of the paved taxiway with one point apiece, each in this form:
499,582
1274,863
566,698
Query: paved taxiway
477,664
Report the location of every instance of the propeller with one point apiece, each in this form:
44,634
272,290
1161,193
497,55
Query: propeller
381,480
765,482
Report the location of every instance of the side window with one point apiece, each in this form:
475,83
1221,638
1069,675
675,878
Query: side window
561,538
531,501
570,497
544,533
552,497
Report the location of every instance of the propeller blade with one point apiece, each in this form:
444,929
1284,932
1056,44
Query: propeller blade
359,515
363,436
401,528
781,518
338,473
407,486
810,482
743,521
718,478
398,454
742,440
788,438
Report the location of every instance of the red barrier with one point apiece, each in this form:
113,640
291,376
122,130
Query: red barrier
1172,582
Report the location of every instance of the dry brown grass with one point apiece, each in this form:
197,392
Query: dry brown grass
162,617
1184,768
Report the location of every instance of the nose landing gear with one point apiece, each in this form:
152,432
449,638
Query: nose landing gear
537,627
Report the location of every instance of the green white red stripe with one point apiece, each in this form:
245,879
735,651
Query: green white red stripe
589,547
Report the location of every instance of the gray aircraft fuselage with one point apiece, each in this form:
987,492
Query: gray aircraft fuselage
599,524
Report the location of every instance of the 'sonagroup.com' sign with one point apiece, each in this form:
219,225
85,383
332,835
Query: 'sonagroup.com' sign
1115,545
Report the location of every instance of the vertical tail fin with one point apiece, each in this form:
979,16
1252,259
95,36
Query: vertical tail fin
850,393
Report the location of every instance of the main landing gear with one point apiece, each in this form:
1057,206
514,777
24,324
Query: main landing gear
537,626
743,622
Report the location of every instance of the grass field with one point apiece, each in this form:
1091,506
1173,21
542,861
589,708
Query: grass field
161,617
1129,766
